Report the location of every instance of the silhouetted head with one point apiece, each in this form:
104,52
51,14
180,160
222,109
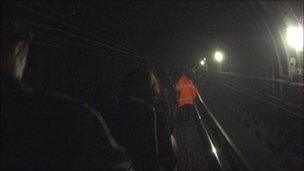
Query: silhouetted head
140,83
16,37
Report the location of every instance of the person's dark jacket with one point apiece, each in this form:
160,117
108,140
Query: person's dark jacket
132,125
52,132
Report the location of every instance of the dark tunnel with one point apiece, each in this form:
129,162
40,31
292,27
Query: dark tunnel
245,59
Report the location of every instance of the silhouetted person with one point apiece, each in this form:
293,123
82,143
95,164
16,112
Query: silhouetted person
167,155
135,122
190,147
139,122
187,93
46,131
166,100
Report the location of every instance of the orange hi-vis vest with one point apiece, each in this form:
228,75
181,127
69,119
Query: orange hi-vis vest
187,91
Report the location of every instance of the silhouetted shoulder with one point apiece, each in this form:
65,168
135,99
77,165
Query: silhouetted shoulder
98,146
54,131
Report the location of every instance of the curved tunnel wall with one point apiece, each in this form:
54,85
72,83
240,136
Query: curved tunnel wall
76,64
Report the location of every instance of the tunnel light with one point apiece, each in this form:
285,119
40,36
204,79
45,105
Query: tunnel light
295,37
202,62
218,56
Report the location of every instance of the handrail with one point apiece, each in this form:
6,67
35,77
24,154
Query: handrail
228,139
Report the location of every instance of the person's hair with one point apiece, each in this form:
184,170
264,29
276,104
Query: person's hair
138,83
13,30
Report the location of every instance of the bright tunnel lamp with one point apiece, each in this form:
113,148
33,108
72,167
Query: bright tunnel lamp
295,37
218,56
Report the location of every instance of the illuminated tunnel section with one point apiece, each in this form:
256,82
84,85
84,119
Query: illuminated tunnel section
246,59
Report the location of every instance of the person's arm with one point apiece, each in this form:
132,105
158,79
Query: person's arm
100,149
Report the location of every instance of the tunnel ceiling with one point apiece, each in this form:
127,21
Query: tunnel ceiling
169,31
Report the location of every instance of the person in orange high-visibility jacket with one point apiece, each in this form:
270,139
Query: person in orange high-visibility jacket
187,135
187,91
